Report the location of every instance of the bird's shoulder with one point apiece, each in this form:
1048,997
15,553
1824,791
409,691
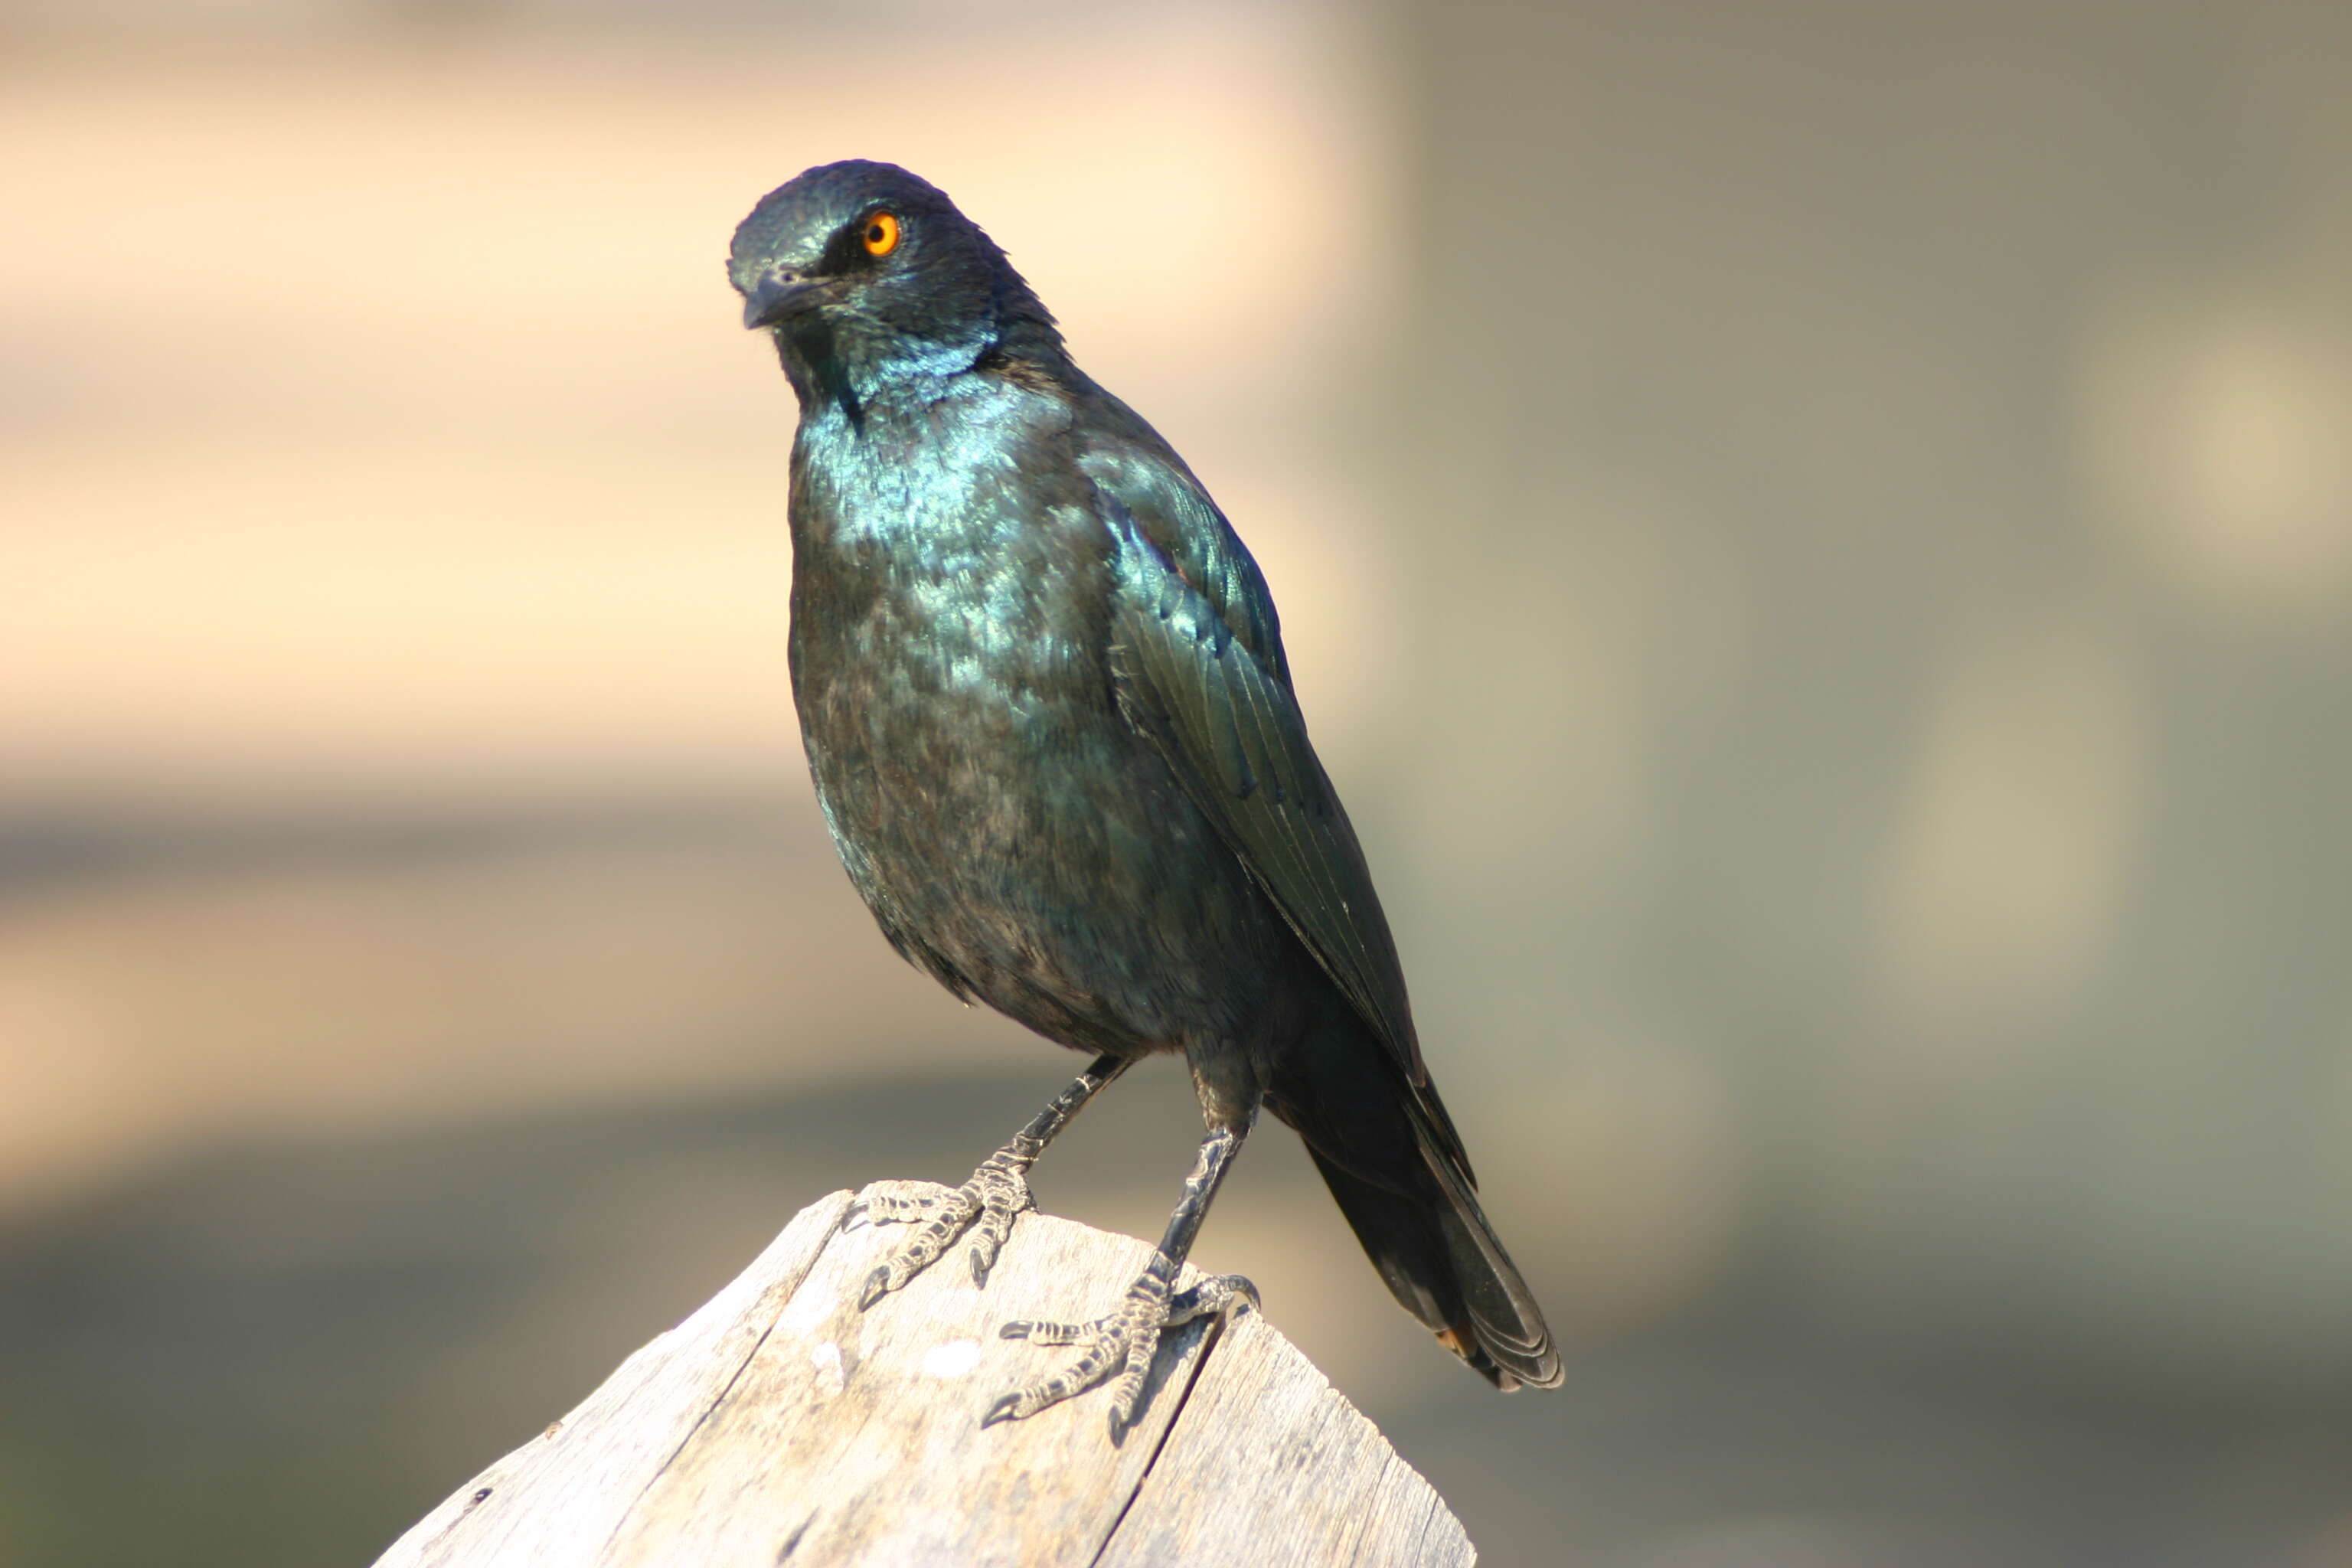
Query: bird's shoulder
1139,480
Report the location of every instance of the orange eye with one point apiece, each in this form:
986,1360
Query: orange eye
881,233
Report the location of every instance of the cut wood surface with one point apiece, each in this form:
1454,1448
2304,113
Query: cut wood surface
780,1427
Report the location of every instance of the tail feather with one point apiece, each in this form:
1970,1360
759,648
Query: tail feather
1388,1151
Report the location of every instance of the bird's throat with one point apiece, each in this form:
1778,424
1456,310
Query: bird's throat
846,367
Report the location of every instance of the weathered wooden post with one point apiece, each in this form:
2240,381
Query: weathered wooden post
780,1427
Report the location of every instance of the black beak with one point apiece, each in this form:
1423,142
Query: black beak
776,296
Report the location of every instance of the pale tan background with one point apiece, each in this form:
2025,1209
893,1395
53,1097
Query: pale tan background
1817,541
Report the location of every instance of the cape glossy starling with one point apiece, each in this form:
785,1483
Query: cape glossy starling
1045,699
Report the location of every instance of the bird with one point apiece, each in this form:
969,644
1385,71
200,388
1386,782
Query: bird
1050,722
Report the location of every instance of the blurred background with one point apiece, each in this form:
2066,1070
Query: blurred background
1816,541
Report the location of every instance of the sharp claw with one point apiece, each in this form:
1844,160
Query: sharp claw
878,1285
1017,1329
1120,1428
980,1267
1005,1409
853,1214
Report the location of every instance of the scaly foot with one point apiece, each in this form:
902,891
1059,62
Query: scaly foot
1122,1343
984,1206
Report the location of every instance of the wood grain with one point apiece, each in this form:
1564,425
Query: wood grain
779,1425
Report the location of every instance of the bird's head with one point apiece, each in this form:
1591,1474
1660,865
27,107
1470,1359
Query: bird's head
862,271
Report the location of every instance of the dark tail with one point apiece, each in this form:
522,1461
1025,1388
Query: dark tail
1391,1158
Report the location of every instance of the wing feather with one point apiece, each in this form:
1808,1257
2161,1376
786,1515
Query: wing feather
1188,679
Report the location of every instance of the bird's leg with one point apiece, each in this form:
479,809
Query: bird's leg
984,1205
1123,1342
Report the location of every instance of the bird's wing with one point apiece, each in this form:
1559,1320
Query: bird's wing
1172,512
1204,680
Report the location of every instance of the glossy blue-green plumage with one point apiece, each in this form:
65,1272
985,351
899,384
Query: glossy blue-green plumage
1049,718
949,630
